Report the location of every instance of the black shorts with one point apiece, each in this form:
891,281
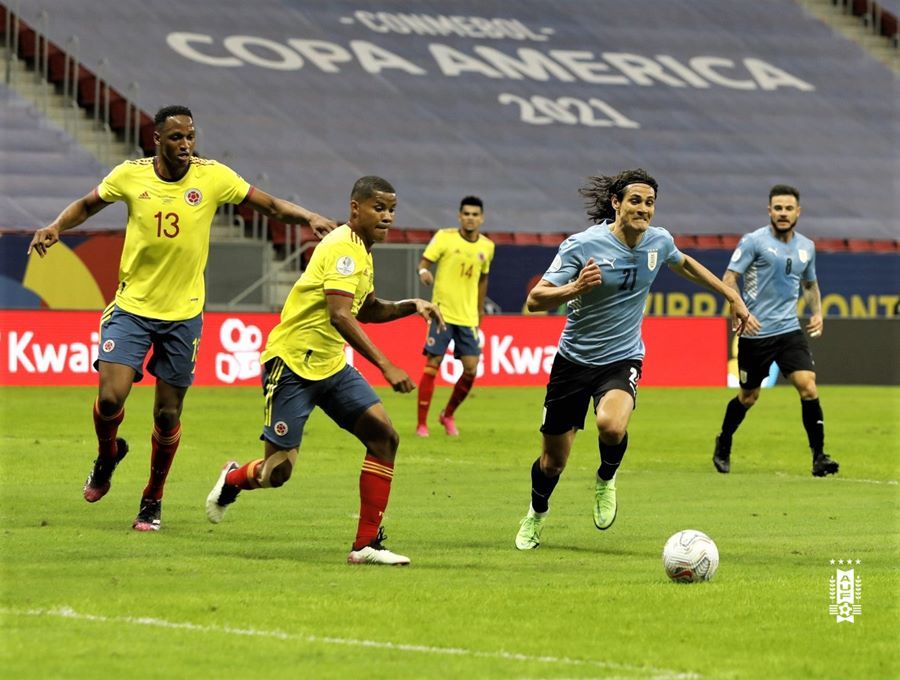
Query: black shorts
572,386
755,356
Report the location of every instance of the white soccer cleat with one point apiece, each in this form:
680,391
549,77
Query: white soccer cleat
222,495
376,553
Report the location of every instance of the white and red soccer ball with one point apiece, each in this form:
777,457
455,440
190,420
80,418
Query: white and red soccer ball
690,556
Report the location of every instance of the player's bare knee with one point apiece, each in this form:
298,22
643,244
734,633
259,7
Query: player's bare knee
552,468
749,398
391,441
384,444
276,470
808,392
166,418
109,404
612,435
280,474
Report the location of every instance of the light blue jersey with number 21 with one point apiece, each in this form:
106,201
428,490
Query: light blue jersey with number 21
604,324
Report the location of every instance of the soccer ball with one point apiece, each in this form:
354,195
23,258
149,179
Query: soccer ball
690,556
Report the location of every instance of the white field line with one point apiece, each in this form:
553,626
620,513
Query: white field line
627,670
888,482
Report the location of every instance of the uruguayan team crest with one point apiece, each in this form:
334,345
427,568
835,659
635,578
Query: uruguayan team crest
652,257
845,593
804,256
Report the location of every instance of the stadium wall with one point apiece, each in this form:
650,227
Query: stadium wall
81,272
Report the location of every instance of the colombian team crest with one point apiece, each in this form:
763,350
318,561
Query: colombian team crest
651,260
193,197
804,256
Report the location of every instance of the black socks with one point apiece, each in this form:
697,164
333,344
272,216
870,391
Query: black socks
610,457
541,487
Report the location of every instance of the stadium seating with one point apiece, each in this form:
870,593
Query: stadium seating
42,170
722,129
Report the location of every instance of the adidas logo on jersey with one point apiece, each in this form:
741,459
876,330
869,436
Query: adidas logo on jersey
144,195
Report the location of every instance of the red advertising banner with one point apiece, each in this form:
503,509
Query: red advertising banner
59,348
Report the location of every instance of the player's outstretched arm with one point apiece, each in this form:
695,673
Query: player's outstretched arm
693,271
341,316
546,296
289,213
375,310
74,214
731,279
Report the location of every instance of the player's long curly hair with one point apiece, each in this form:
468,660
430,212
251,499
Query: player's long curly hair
600,189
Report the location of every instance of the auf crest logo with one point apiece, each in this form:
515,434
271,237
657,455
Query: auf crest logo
845,592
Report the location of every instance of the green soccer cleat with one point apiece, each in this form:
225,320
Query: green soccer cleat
529,536
605,503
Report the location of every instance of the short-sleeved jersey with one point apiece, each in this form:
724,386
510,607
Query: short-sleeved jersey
304,338
772,272
167,234
460,265
604,324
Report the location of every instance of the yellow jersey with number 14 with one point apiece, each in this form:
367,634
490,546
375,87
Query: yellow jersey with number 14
460,264
167,235
304,338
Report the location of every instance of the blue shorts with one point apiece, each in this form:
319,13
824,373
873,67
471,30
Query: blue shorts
465,341
126,338
344,396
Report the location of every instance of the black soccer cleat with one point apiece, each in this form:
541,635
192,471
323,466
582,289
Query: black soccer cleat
99,478
148,517
722,456
823,465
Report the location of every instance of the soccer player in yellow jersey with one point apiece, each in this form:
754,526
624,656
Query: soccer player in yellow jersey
171,199
304,366
464,259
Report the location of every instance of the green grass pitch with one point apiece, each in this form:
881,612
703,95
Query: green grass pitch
267,593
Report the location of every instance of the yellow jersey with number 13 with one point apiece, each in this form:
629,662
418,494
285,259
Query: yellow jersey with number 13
167,235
